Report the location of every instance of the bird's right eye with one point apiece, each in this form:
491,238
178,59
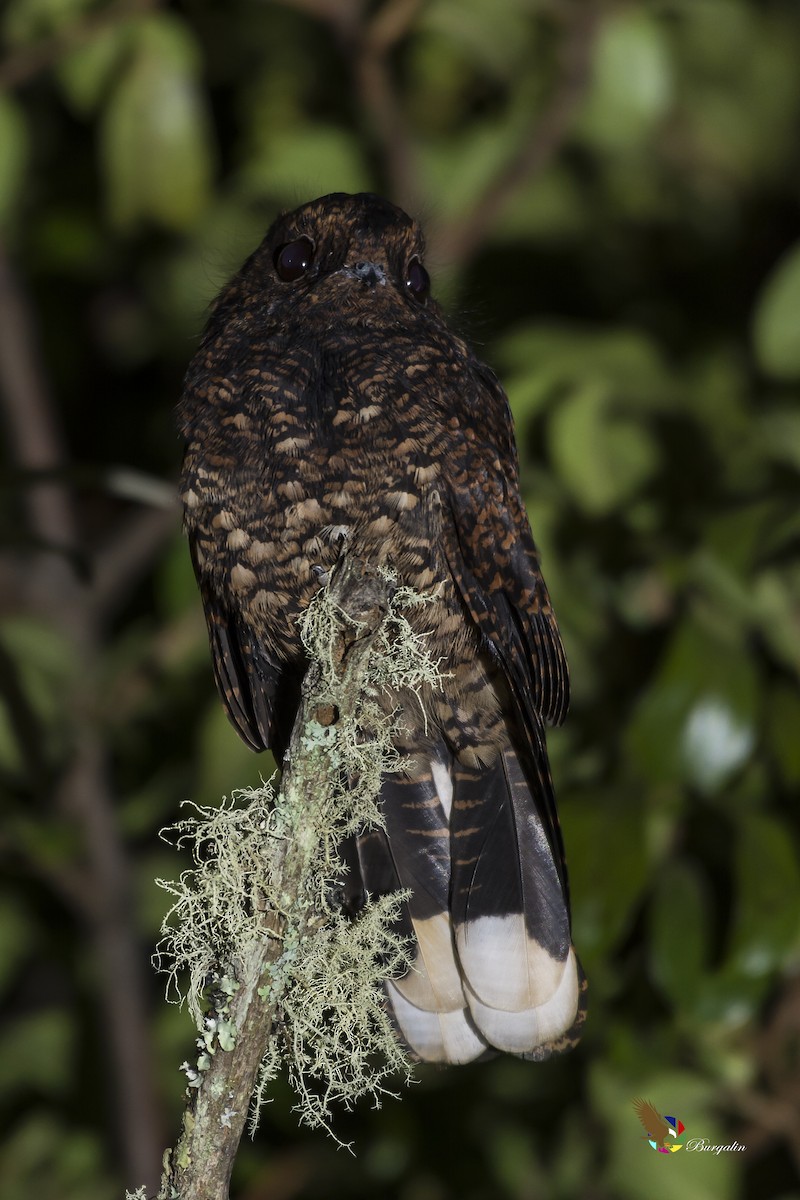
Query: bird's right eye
418,281
294,259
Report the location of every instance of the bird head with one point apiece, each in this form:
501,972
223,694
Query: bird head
345,257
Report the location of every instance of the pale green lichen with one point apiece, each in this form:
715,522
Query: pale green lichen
325,989
363,741
335,1034
212,922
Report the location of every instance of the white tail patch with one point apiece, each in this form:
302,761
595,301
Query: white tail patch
436,1037
522,1032
443,782
504,967
433,982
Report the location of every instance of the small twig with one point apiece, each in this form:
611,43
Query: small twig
771,1107
85,793
25,64
370,50
128,555
68,883
391,24
35,439
343,14
459,243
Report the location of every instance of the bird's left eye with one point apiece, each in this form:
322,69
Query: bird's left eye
294,259
418,281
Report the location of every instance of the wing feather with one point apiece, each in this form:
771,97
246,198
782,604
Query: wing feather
260,697
526,645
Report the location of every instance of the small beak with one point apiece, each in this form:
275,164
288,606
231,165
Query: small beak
368,273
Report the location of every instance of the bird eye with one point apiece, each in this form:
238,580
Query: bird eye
293,260
418,281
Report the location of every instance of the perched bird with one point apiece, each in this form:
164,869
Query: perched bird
329,400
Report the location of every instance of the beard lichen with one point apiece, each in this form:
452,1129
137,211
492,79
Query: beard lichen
265,867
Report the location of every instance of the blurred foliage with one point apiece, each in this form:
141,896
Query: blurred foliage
638,291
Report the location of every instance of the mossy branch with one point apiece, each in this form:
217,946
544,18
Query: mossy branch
276,972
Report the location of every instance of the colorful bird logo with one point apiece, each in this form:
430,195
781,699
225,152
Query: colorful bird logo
665,1134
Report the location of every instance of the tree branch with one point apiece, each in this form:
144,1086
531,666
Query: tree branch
770,1105
379,97
320,799
460,242
84,792
129,554
36,441
367,45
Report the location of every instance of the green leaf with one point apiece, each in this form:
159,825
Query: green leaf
679,932
767,913
733,542
548,208
739,89
728,999
86,72
71,241
602,457
718,34
775,320
17,939
13,157
459,167
781,428
495,35
632,81
715,741
604,901
776,598
28,21
36,1052
44,663
696,722
156,145
782,726
306,161
53,1161
540,362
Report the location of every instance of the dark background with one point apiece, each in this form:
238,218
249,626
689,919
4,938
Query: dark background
611,194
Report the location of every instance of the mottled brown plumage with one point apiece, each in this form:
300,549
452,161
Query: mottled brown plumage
329,400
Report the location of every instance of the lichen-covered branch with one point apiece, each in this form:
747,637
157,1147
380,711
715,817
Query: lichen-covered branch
292,979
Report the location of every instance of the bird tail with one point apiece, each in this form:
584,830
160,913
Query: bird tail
493,966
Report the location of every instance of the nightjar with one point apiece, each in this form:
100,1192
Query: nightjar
329,399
